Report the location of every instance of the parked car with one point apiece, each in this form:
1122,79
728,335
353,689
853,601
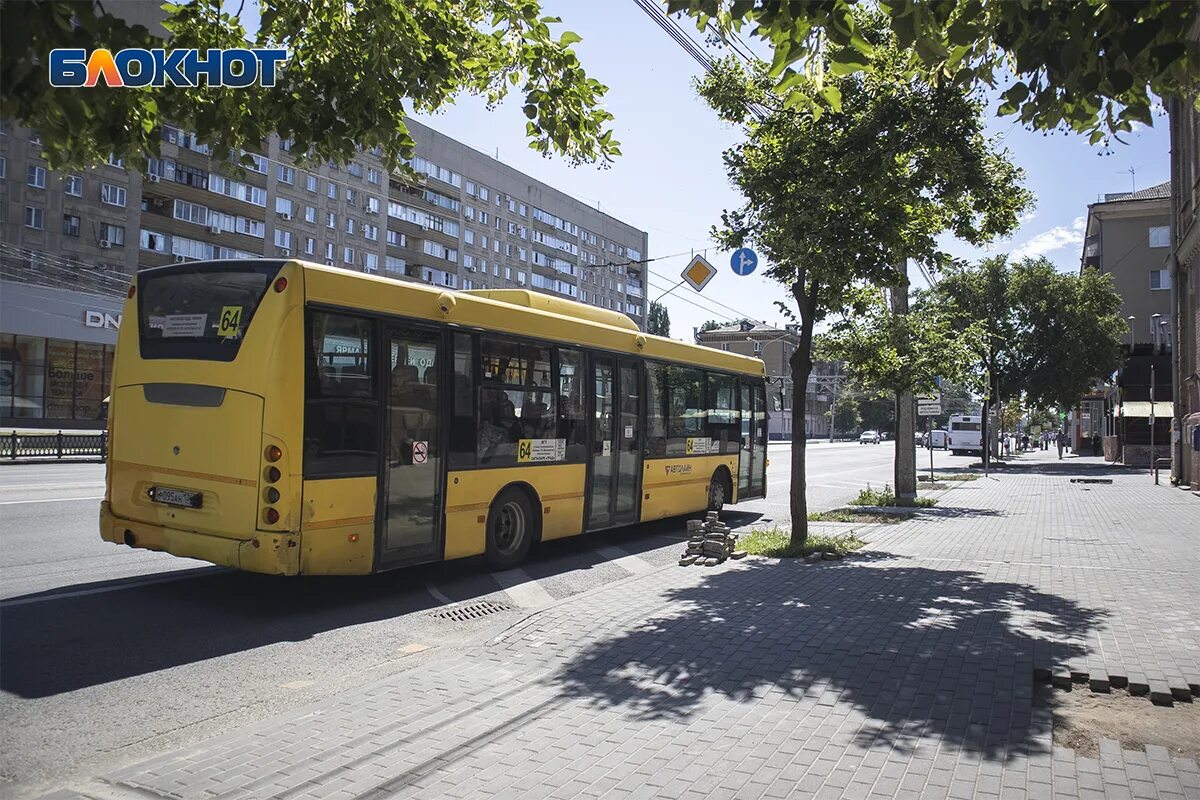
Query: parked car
869,437
919,438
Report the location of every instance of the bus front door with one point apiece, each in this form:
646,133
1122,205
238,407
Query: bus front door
412,476
616,454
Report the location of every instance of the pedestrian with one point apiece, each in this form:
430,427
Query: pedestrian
1060,440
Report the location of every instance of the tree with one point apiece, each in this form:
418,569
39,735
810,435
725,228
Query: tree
1045,335
711,325
845,412
878,411
1093,66
355,70
899,165
658,319
900,354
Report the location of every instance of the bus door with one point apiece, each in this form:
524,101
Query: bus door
411,502
746,417
615,466
758,448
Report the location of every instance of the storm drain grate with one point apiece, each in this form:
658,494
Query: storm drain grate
471,611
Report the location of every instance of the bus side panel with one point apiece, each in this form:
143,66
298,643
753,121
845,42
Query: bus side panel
338,527
470,493
674,486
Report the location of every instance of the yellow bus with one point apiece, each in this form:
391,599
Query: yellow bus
288,418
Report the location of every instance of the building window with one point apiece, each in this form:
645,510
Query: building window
396,239
112,195
73,185
257,163
309,245
330,219
3,167
332,192
469,237
113,234
370,262
191,212
286,175
156,242
355,169
113,161
349,224
348,255
283,238
374,176
36,177
310,183
70,225
371,232
1160,279
1160,236
310,214
33,217
352,197
329,251
283,206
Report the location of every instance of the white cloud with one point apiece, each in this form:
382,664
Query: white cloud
1052,240
1026,217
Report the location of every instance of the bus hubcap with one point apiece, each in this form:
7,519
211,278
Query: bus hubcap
510,528
716,494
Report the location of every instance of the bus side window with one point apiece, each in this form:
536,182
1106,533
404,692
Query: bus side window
572,419
341,400
656,409
462,411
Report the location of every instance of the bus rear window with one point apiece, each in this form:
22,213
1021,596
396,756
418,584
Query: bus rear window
200,310
964,426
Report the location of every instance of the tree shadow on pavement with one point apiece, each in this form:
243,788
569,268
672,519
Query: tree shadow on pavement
918,653
955,512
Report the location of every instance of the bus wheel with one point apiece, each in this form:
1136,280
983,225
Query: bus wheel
509,529
718,492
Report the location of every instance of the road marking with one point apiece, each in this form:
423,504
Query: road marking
524,590
433,591
52,500
634,565
183,574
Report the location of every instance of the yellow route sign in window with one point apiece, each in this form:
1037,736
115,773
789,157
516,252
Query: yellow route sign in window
698,273
231,321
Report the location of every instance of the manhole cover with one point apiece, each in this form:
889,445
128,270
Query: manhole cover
471,611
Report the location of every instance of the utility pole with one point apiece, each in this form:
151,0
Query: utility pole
906,448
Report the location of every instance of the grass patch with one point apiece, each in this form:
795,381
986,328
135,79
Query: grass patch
960,476
853,515
777,543
886,497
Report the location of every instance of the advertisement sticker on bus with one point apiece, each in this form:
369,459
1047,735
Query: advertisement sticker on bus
191,325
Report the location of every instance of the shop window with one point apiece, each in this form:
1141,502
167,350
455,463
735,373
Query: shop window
22,376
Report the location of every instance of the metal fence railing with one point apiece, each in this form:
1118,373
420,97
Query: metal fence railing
53,445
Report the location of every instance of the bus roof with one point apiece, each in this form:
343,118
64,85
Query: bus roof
515,311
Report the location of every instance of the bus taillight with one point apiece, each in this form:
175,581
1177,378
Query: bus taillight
274,453
280,284
271,516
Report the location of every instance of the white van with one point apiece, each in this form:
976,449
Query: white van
937,440
965,434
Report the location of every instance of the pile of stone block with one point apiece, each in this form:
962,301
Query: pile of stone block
710,542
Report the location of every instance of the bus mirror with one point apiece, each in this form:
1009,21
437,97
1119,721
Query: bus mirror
445,302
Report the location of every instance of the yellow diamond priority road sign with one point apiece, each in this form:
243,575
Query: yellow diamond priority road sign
698,273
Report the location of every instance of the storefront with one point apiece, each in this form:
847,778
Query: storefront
56,355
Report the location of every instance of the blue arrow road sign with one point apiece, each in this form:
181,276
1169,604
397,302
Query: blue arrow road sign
743,261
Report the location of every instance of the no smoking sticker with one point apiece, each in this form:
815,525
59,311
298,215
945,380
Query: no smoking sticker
420,453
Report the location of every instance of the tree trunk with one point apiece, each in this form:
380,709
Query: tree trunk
801,364
905,462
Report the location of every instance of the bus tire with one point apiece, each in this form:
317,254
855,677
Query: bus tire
511,529
720,490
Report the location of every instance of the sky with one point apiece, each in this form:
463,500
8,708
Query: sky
670,180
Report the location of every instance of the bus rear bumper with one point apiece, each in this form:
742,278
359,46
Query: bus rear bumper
268,553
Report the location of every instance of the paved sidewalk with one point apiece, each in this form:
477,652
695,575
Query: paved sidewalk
906,671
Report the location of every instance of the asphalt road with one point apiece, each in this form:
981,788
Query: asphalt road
111,654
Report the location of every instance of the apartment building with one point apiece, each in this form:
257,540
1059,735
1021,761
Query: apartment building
69,241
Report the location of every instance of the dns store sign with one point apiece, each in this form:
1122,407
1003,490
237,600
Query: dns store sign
134,67
102,319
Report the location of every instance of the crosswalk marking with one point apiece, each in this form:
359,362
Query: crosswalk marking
524,590
634,565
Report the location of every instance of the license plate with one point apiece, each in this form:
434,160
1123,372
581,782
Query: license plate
175,497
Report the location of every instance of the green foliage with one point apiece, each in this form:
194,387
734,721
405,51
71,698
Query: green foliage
878,412
836,201
896,353
1044,335
886,497
658,319
775,543
846,413
355,71
1093,66
711,325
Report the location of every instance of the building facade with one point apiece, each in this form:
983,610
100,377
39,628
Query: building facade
69,242
1129,237
1185,266
775,347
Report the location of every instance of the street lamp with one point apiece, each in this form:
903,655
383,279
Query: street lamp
1154,318
1130,320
